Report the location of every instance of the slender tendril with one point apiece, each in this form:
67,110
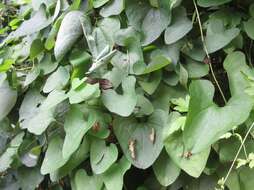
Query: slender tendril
238,152
206,51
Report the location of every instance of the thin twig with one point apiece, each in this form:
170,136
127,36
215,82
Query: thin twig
206,51
238,152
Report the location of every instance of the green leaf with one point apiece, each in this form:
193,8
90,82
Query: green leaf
85,182
179,27
75,160
157,63
251,10
29,178
218,37
113,177
32,76
46,65
99,3
57,80
154,3
136,12
196,69
154,23
249,28
53,158
75,126
166,93
181,104
193,164
244,176
82,91
51,38
210,3
6,65
31,116
70,30
114,7
103,120
109,27
36,48
54,98
229,147
165,170
36,23
183,76
144,106
135,54
7,157
206,122
141,142
121,104
151,82
80,61
37,3
102,156
194,50
8,97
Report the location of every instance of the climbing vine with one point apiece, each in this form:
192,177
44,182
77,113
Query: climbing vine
126,94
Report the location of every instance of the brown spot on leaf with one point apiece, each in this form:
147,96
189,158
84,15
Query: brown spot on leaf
105,84
132,148
188,154
96,127
207,60
152,136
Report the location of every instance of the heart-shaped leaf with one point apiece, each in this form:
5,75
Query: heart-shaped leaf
151,82
53,158
57,80
31,116
218,37
249,28
165,170
157,63
75,160
179,27
113,177
54,98
114,7
144,106
36,23
81,91
141,142
29,178
154,23
7,157
85,182
102,156
121,104
75,127
193,164
136,12
206,122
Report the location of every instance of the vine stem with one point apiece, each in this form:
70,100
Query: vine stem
238,152
206,51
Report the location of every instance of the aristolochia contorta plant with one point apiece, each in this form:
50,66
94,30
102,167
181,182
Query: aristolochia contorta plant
126,94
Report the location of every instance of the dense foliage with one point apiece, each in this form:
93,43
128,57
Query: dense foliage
126,94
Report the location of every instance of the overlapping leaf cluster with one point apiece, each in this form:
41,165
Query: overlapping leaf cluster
122,94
